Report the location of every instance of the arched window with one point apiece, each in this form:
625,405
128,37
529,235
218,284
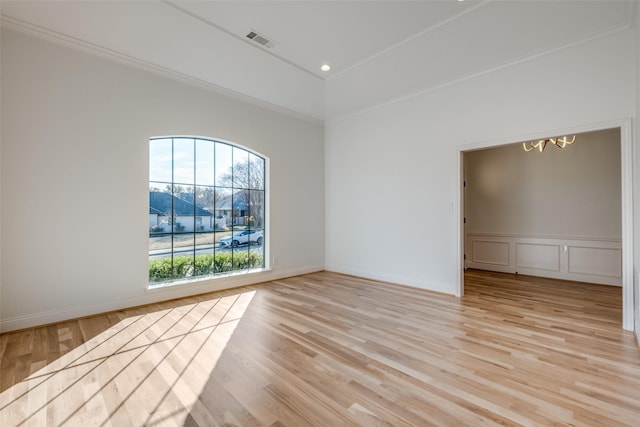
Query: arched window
206,209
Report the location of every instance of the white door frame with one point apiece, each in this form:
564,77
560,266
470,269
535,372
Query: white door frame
626,174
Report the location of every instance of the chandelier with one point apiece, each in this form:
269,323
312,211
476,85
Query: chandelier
542,143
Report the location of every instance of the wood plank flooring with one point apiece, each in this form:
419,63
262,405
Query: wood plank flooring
326,349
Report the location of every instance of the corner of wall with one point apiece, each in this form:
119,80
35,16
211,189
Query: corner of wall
636,172
1,179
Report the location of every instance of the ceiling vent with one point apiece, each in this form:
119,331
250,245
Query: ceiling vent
261,40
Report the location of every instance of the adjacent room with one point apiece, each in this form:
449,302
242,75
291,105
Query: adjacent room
550,212
319,213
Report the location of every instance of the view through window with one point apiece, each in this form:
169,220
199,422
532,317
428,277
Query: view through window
206,209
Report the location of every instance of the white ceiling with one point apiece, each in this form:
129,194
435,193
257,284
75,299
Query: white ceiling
341,33
378,50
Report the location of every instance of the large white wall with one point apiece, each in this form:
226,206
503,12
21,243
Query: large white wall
391,172
74,176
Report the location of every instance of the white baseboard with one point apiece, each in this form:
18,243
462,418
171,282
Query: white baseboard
420,284
151,296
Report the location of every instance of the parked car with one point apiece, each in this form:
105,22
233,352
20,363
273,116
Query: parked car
242,238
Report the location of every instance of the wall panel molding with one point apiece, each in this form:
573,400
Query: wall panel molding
581,259
490,252
537,256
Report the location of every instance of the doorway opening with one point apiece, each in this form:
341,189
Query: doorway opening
545,248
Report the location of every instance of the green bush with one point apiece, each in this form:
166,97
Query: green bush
180,267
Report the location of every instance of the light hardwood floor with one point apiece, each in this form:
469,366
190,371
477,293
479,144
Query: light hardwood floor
326,349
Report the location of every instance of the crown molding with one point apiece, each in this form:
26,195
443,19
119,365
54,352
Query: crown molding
94,49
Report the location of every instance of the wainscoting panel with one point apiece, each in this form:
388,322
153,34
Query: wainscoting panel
541,257
585,260
490,252
598,261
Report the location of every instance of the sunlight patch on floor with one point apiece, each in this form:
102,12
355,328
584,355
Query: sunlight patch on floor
145,370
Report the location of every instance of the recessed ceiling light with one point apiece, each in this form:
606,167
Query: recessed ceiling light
325,67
